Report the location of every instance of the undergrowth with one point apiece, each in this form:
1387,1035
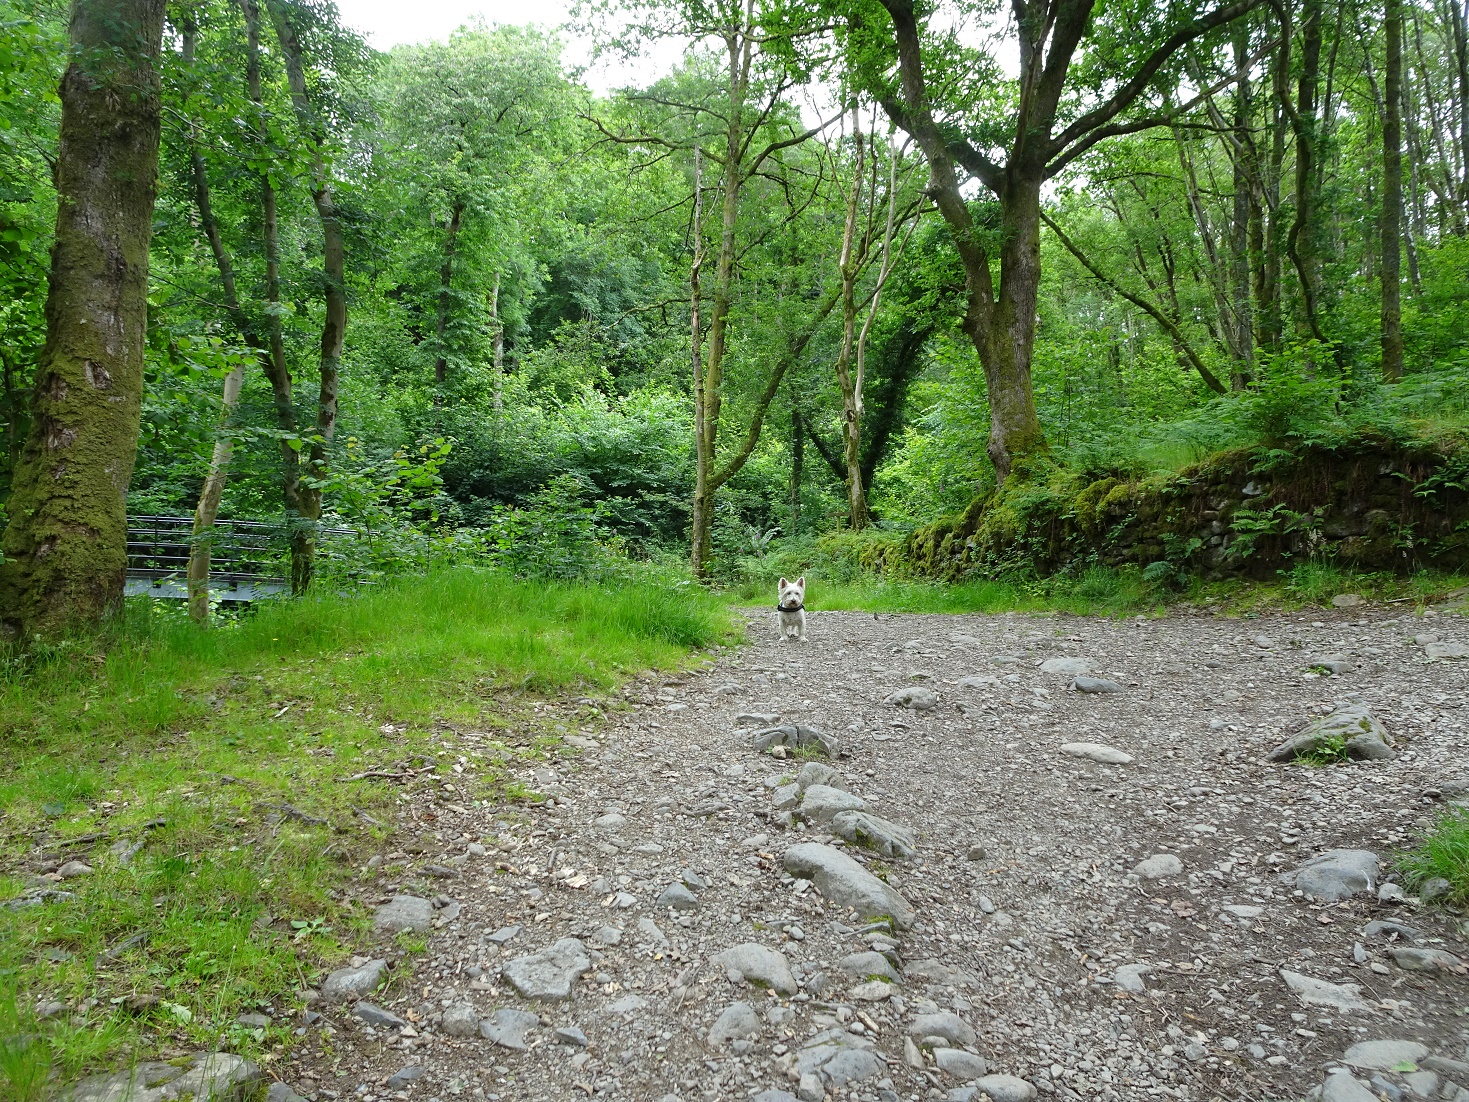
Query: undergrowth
1443,854
234,757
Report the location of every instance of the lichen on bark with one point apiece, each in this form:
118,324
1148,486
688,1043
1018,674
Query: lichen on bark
66,542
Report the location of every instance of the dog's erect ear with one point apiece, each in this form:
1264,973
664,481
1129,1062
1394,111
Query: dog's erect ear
783,583
801,581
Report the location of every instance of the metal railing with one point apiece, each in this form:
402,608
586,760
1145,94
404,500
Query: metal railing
249,559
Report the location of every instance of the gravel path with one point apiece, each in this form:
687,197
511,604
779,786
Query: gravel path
664,926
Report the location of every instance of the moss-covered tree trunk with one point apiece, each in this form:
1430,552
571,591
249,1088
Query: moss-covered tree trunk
66,542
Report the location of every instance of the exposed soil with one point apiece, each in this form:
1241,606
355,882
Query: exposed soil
1026,904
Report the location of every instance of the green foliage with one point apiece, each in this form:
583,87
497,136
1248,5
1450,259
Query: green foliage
1443,853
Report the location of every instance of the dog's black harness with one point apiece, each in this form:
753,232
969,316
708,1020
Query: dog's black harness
799,608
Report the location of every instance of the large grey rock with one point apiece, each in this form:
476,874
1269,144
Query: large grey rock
875,833
1333,663
1314,992
1068,667
1095,751
736,1022
353,983
1351,730
838,1058
1446,650
401,1078
821,803
960,1065
1130,978
1005,1088
1335,875
376,1016
282,1092
207,1077
920,698
758,965
978,681
1343,1086
1383,1055
794,736
678,897
869,965
945,1024
507,1028
1427,960
1095,685
847,884
1157,867
550,973
403,912
460,1020
818,772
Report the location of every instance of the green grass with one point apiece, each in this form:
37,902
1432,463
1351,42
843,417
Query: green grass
236,900
1096,591
1444,852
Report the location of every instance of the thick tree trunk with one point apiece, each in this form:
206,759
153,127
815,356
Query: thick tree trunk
1302,243
66,544
446,280
1392,194
1006,349
334,327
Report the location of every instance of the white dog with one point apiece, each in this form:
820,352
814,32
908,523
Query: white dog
791,604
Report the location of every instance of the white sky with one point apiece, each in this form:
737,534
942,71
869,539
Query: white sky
389,23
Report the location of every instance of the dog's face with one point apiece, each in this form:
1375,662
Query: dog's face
791,594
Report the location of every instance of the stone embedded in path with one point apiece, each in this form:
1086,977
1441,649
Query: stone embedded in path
460,1020
401,1078
756,719
403,912
794,737
920,698
1068,667
816,772
507,1028
377,1017
1347,600
1428,960
1351,729
1158,866
1095,685
946,1025
1130,978
847,884
867,966
571,1035
1242,910
281,1092
207,1077
1095,751
549,973
758,965
875,833
960,1065
1446,650
1343,1086
837,1058
978,681
1003,1088
1314,992
1335,875
821,803
1333,663
1388,930
678,897
351,983
1383,1055
736,1022
873,991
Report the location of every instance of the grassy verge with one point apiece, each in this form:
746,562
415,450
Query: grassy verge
212,782
1111,591
1443,854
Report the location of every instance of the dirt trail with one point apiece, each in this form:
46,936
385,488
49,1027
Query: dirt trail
1027,909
